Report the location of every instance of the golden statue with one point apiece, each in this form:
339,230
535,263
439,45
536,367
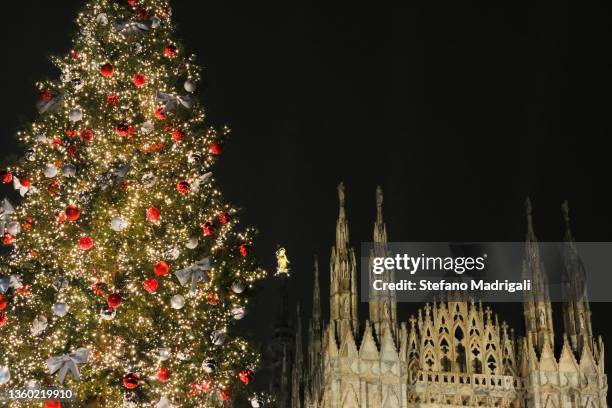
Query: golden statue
282,262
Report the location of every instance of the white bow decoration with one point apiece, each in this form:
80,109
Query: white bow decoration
6,209
38,325
173,101
68,362
132,27
48,106
14,281
194,273
164,402
198,182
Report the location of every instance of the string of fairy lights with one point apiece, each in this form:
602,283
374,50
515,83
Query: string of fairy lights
128,266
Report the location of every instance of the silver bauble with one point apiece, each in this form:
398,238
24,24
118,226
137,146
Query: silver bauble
50,171
256,403
5,375
107,313
75,115
173,253
77,83
193,242
238,286
149,180
177,302
30,155
69,170
102,19
147,127
238,313
209,365
190,86
60,309
38,325
118,224
163,353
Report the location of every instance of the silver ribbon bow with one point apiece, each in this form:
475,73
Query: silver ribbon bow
6,209
173,101
132,27
194,273
68,362
14,281
48,106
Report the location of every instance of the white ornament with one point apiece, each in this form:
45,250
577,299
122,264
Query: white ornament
163,353
193,242
69,170
107,313
40,138
238,313
60,284
102,19
32,385
78,84
155,22
209,366
183,355
173,253
238,286
147,127
164,403
5,375
50,171
149,180
38,325
13,228
118,224
76,115
255,403
177,302
60,309
218,337
190,86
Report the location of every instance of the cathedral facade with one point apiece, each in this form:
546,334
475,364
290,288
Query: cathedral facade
452,353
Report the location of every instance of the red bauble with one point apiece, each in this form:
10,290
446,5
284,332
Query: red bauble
99,288
225,394
3,302
7,239
151,285
139,80
122,129
45,95
163,374
216,148
53,187
160,114
3,319
75,54
224,218
207,386
112,100
208,228
133,3
73,213
86,243
53,404
86,136
178,135
141,14
161,268
6,176
71,133
245,249
246,376
170,51
183,187
107,70
114,300
212,298
71,150
131,381
153,214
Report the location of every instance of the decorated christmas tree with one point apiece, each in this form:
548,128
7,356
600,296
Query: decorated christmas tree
126,272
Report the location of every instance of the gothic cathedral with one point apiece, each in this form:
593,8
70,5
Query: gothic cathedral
452,353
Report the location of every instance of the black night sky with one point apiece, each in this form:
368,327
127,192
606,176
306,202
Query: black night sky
460,112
